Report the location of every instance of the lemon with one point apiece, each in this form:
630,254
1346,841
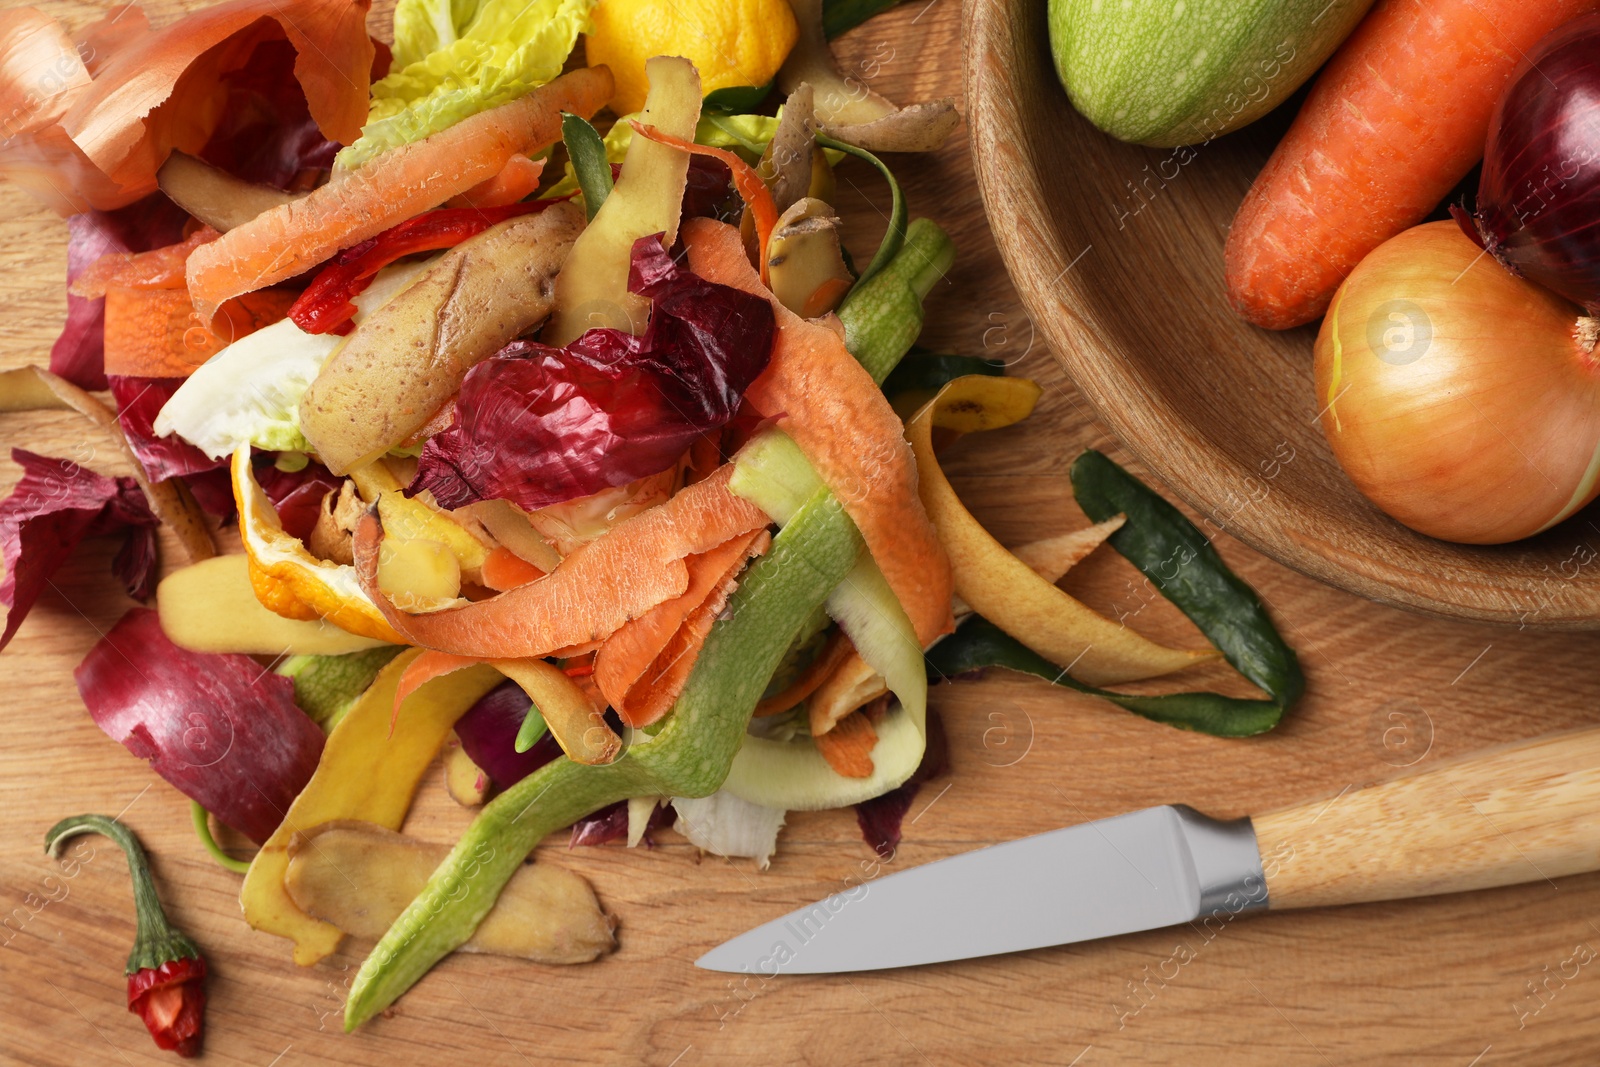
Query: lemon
730,42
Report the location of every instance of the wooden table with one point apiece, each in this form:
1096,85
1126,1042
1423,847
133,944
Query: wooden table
1443,981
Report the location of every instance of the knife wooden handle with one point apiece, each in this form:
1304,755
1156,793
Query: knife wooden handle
1522,813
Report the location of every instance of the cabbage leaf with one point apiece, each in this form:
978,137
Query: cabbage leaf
455,58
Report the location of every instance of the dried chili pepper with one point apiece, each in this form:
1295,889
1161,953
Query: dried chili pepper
166,973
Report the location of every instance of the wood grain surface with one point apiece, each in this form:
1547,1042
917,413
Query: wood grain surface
1443,981
1117,251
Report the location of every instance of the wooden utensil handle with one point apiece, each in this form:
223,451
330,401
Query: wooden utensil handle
1520,813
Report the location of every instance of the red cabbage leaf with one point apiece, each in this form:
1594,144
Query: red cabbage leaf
537,425
55,505
222,730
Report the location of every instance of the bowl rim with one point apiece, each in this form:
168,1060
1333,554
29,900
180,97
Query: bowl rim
996,55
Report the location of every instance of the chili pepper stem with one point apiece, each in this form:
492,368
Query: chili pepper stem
156,942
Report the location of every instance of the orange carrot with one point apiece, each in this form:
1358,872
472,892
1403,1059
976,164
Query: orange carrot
619,576
642,667
1398,116
517,181
388,189
503,569
155,333
754,191
818,671
159,268
848,746
838,416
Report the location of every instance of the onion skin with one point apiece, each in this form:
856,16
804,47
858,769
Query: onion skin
1538,205
1459,398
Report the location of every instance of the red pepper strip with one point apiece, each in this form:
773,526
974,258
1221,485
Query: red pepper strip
757,197
325,306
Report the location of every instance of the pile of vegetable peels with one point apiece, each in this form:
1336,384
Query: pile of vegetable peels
578,459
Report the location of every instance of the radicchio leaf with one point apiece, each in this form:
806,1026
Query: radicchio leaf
213,491
222,730
296,494
78,354
55,505
880,817
139,400
708,191
488,733
537,425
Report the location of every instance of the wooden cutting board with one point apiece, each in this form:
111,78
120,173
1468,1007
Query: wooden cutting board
1447,981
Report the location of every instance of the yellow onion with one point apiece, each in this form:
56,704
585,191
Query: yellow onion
1462,400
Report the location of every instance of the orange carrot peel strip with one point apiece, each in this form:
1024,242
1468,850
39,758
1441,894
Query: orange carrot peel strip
388,189
155,333
754,191
159,268
848,746
642,667
634,566
838,416
503,569
516,181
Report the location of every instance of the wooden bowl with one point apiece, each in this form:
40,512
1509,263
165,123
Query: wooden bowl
1116,250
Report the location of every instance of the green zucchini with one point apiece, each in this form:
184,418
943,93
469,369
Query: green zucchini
688,757
1182,72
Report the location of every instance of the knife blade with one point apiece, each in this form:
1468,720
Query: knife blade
1518,813
1157,867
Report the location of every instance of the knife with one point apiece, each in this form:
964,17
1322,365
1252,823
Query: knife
1519,813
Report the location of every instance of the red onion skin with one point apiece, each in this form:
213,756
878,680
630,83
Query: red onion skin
488,733
220,728
1538,207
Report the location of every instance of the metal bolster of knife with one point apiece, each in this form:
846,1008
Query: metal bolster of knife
1227,862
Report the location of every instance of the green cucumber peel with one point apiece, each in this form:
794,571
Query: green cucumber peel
841,15
738,98
326,687
533,727
894,237
587,150
882,314
979,644
775,475
1181,563
924,373
689,757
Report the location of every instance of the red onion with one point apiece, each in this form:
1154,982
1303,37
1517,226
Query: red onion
488,733
1538,209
